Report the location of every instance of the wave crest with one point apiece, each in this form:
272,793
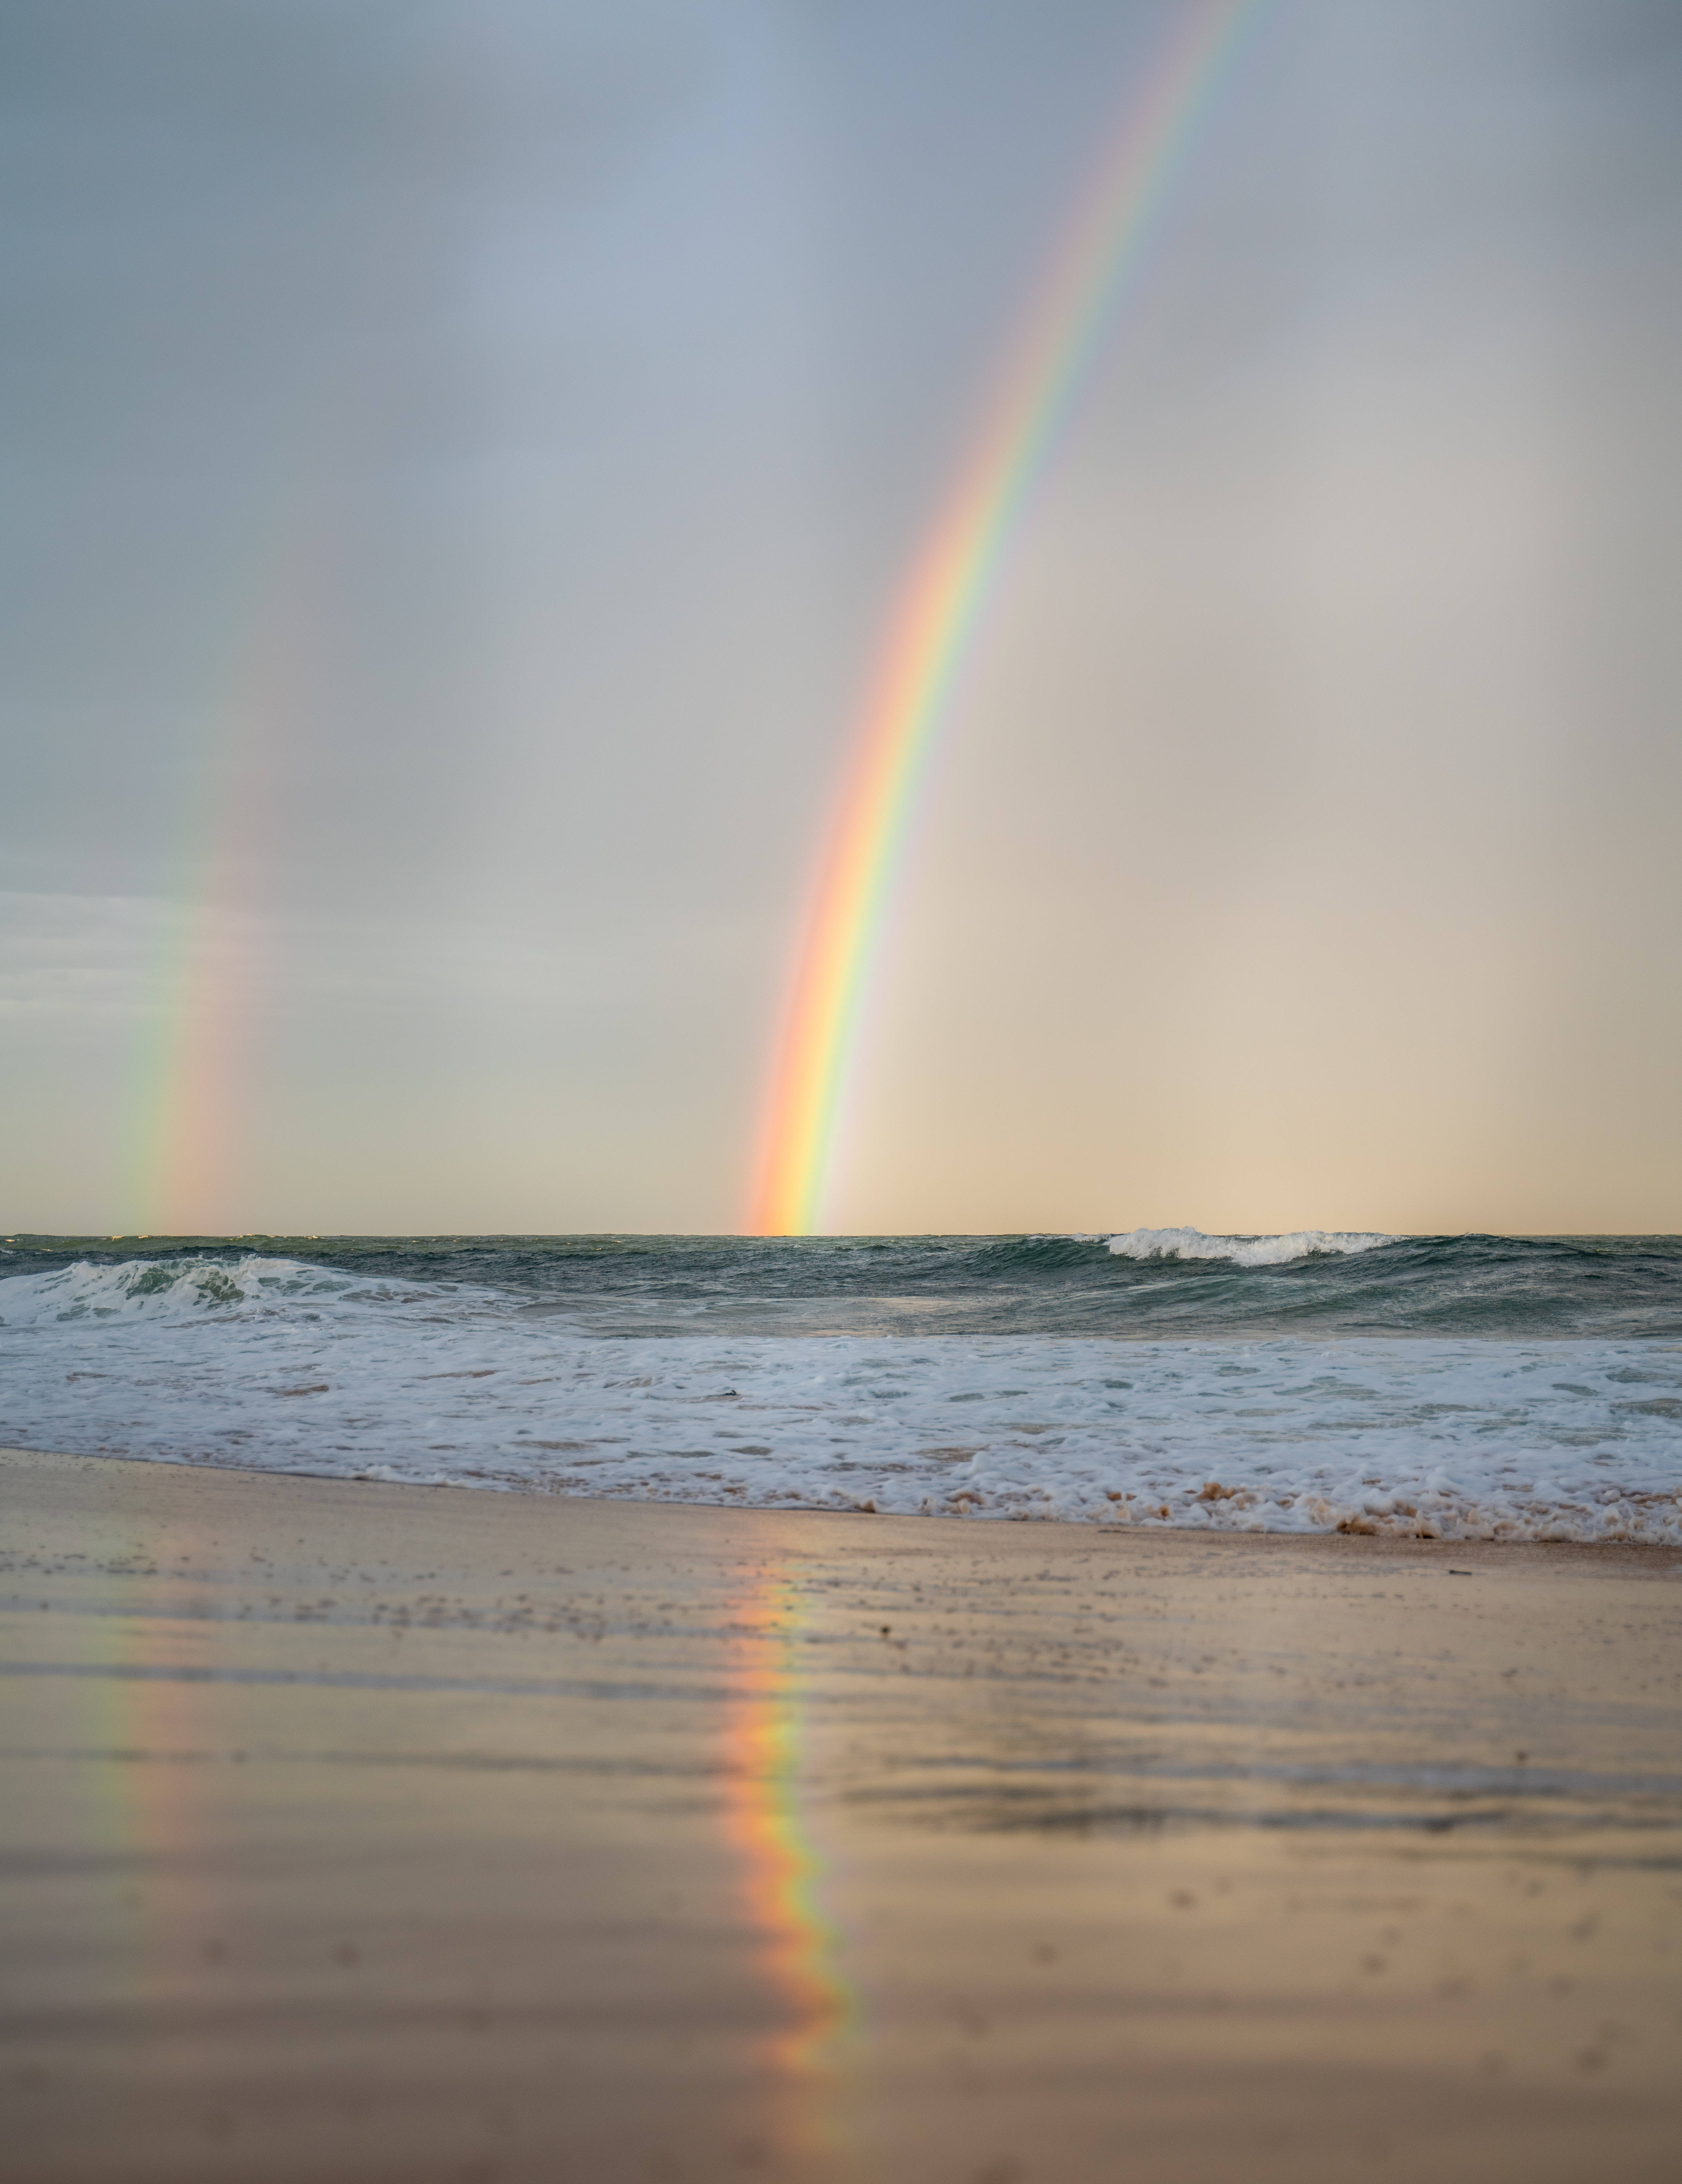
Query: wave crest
1243,1251
171,1288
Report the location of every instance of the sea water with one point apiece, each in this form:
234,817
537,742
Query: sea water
1460,1387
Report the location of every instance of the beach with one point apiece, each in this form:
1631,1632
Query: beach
840,1217
369,1831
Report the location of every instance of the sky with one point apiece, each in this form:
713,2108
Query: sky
458,460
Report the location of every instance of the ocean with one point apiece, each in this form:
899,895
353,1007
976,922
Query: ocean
1474,1387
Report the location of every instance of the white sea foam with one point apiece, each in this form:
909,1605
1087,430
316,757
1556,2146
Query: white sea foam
1242,1251
277,1365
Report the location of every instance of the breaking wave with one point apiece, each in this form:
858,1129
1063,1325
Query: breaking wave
1243,1251
189,1288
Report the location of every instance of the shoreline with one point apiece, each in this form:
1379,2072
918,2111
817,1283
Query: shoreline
920,1379
1664,1553
362,1834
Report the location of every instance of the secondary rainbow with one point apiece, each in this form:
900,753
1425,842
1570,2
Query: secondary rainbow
938,606
187,1096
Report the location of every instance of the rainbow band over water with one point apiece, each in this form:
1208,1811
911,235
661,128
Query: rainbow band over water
940,605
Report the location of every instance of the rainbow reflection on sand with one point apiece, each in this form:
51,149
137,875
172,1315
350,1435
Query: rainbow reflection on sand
765,1817
140,1736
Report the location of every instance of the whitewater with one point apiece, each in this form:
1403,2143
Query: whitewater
1474,1388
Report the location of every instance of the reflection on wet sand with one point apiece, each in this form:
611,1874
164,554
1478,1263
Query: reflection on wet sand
356,1831
140,1810
766,1820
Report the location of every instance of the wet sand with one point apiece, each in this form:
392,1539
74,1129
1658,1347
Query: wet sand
372,1833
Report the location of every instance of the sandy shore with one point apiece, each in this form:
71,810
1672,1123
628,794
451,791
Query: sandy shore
386,1833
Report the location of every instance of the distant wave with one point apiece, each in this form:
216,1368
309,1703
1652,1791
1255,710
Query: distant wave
1242,1251
1146,1284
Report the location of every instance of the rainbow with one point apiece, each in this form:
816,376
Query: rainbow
177,1169
940,604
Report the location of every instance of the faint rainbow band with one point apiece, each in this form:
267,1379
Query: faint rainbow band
184,1107
939,606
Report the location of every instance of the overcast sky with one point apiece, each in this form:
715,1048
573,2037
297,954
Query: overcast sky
458,457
